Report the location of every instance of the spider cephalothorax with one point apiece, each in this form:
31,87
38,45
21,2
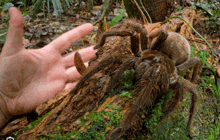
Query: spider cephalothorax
157,60
155,74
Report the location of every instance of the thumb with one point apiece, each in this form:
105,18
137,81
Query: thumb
13,43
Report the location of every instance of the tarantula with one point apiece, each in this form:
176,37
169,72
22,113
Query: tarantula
157,60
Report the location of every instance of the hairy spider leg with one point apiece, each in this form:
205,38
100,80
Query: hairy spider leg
190,87
121,32
135,41
125,124
128,64
114,32
102,64
179,91
181,85
138,27
157,37
135,45
115,134
156,81
194,63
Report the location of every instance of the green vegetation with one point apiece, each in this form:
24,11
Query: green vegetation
212,9
153,121
127,95
2,31
126,83
31,125
212,56
213,131
117,18
128,86
58,8
128,79
207,81
96,125
205,123
204,55
207,117
35,123
6,4
99,125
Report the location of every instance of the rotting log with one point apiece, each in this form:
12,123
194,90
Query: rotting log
68,108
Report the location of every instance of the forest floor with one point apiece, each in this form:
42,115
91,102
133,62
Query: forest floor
48,122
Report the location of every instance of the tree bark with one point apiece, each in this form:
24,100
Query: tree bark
67,108
157,9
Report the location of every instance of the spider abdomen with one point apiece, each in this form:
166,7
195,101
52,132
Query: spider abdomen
176,47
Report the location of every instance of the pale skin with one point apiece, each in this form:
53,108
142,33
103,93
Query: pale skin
30,77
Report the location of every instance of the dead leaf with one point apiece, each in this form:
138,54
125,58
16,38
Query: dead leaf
2,13
97,7
26,42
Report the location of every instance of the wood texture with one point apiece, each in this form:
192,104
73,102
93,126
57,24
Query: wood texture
157,9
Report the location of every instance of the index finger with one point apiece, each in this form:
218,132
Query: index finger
63,42
13,43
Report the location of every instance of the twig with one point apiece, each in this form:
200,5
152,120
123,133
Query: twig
150,20
3,33
107,5
31,37
196,40
142,14
214,73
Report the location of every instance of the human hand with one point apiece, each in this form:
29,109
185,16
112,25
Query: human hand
30,77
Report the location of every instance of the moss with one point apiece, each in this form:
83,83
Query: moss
153,121
32,125
127,80
98,126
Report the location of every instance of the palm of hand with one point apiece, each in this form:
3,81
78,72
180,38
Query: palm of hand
30,77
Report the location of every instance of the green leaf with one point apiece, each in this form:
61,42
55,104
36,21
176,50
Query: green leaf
3,30
37,6
215,14
25,12
20,3
3,37
193,50
126,94
116,19
121,10
112,107
7,6
204,55
58,10
65,6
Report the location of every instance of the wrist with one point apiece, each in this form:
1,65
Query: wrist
5,116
